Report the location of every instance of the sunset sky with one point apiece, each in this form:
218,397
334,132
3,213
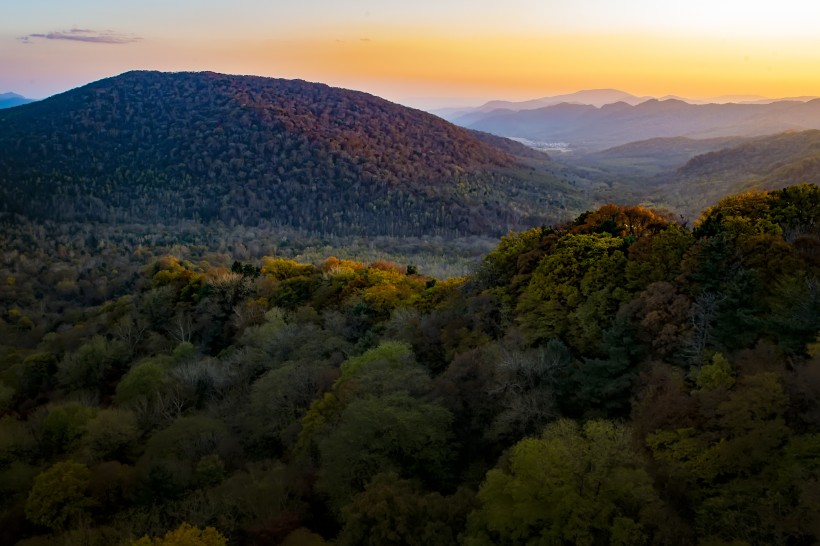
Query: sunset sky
425,53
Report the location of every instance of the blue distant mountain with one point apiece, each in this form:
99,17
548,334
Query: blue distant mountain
590,128
7,100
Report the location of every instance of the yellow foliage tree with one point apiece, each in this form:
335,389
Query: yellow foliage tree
185,535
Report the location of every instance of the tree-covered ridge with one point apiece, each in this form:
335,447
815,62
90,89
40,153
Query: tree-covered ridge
621,379
756,164
149,146
762,156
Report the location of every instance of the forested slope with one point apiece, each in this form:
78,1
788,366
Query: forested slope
620,379
152,147
762,163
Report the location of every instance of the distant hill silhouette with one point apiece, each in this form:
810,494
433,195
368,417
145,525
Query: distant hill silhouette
151,146
8,100
590,128
593,97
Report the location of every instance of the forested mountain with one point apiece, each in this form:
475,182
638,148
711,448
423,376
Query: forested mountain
150,146
590,128
762,163
772,157
618,379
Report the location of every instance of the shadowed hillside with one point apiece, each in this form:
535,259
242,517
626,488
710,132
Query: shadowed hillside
150,146
764,163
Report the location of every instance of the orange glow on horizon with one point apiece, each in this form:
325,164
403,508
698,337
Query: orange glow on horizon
398,63
529,67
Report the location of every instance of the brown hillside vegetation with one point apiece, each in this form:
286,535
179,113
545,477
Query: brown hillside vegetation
150,146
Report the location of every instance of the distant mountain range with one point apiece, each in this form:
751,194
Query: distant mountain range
155,147
592,97
7,100
598,98
591,128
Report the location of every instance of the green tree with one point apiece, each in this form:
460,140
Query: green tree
281,397
388,368
64,425
796,208
573,485
575,291
715,375
87,367
112,434
142,384
657,258
59,496
392,433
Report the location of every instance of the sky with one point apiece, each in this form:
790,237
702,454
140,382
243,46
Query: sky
425,53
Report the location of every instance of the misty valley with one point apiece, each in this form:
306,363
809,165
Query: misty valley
246,310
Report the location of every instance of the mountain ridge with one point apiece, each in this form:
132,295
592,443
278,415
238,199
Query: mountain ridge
247,149
593,97
600,97
597,128
733,166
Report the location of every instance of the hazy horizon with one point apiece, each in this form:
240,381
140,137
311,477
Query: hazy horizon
427,54
435,103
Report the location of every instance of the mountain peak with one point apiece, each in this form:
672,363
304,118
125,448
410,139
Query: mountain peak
148,146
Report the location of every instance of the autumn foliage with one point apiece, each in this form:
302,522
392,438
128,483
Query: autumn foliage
619,379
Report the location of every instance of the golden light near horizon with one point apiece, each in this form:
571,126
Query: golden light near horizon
526,66
516,50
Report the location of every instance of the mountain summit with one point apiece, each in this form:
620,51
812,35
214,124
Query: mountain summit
151,146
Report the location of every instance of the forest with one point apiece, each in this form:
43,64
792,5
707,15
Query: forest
146,147
622,378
